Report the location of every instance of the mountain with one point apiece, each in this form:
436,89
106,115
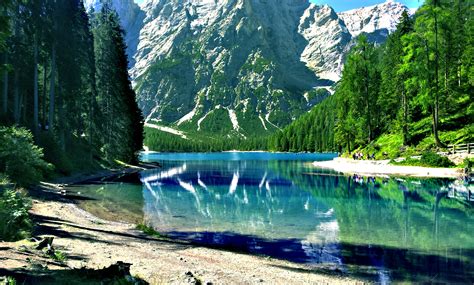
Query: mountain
376,21
131,18
240,67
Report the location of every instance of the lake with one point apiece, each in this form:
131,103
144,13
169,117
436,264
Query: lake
278,205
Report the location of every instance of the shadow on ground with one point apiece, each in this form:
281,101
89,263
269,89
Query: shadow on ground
118,273
373,263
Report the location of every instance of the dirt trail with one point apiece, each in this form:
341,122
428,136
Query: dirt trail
94,243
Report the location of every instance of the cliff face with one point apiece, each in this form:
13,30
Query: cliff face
240,67
132,20
377,21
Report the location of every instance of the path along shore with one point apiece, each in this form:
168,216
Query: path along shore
384,168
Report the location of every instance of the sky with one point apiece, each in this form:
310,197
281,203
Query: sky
344,5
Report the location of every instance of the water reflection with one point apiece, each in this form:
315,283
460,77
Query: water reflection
243,206
391,229
398,227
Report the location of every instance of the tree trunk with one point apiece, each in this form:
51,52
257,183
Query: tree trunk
52,79
62,140
43,100
16,98
35,88
405,116
5,87
23,104
436,103
91,118
367,101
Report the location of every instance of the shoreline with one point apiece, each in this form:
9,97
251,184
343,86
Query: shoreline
384,168
94,243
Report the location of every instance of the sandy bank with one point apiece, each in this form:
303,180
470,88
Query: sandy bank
382,167
95,243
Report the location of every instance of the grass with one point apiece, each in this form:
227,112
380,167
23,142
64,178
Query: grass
8,280
148,230
58,256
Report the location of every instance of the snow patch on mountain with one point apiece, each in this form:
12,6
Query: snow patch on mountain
233,119
167,130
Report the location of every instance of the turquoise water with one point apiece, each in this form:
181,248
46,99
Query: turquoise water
278,205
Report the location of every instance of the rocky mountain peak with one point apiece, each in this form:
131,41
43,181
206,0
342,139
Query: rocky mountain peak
382,18
240,67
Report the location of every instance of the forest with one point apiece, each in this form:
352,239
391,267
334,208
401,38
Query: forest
412,94
66,94
161,141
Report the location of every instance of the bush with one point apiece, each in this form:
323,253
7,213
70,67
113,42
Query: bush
468,165
430,158
15,220
20,158
427,159
53,153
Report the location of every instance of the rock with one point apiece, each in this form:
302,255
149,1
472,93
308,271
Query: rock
249,64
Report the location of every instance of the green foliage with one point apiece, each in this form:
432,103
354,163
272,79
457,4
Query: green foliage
217,122
55,87
58,256
257,64
433,159
11,281
411,95
428,159
20,158
313,132
121,122
16,223
468,164
148,230
161,141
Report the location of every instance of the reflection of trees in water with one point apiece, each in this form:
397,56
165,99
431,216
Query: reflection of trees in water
404,226
241,197
407,226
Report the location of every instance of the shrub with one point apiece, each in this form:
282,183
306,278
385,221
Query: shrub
433,159
148,230
20,158
15,220
53,153
468,164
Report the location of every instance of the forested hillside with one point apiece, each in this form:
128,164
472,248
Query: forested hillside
413,93
64,78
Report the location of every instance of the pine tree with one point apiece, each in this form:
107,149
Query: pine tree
394,98
122,123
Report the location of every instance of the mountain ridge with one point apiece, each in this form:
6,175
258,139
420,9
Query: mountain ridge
242,67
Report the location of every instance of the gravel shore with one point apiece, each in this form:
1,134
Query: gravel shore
383,168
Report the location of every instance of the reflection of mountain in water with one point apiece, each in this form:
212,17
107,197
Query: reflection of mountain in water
241,205
401,229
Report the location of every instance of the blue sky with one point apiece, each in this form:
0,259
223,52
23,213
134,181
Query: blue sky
343,5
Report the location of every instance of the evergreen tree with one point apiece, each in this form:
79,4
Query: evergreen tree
394,98
122,120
